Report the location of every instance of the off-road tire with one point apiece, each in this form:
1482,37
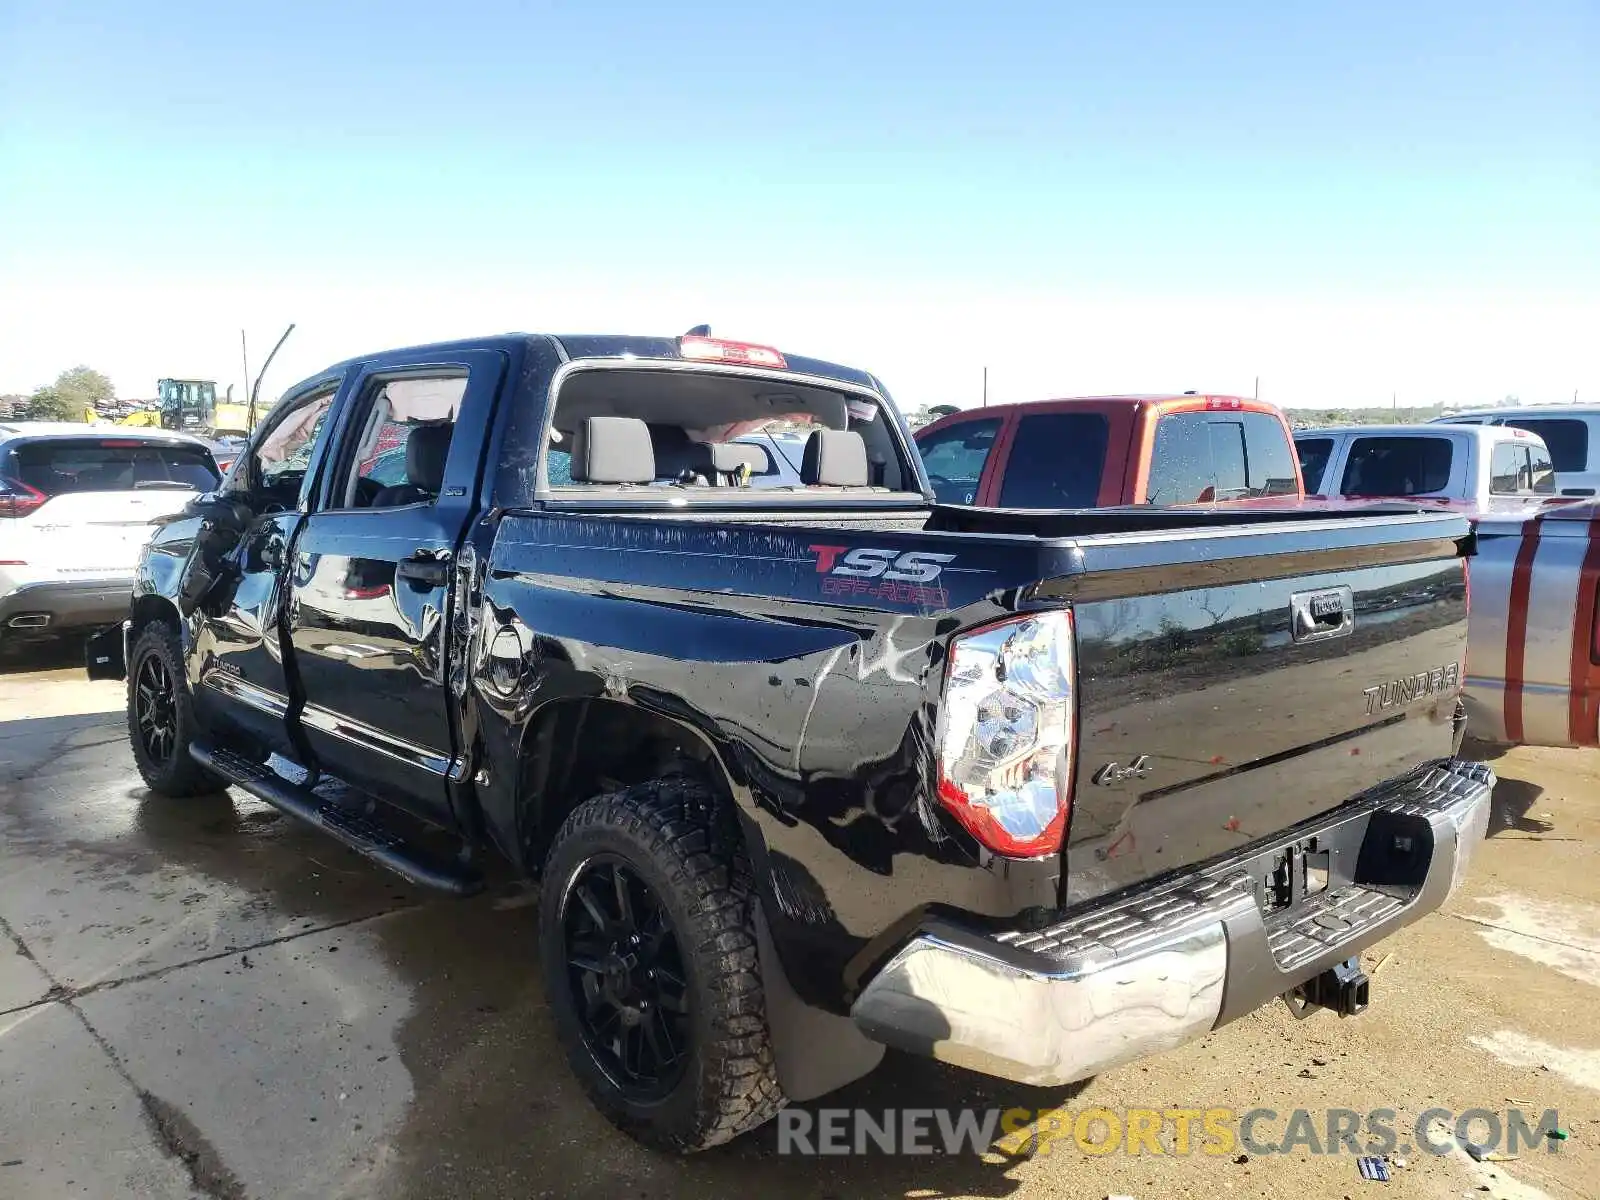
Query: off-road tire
665,832
176,775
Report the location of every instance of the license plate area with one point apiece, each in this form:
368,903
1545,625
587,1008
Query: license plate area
1293,873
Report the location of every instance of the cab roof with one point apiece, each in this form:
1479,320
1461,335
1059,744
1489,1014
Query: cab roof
608,345
1484,433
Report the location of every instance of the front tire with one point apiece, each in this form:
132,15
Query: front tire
648,945
161,720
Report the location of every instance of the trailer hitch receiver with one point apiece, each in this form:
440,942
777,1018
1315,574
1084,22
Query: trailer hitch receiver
1343,987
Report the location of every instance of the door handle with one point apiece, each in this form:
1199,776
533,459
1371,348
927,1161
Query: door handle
428,567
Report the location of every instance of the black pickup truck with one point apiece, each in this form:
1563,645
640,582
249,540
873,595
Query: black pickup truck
808,768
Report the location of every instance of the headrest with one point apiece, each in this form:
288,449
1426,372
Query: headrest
613,450
426,448
835,458
728,457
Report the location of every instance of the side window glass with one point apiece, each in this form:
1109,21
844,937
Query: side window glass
1314,454
1056,461
405,439
1566,437
1507,462
1397,466
1541,472
954,459
279,459
1269,461
1180,463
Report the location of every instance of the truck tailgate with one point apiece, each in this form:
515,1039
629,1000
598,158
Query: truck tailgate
1235,682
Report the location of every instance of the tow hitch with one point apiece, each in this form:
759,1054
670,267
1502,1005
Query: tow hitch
1343,987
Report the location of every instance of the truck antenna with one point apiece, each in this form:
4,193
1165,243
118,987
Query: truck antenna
255,389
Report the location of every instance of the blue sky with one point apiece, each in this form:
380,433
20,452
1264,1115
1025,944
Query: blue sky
1347,200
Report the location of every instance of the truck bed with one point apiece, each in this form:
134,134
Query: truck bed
1203,723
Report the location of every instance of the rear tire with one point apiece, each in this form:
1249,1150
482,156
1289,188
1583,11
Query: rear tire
161,721
648,944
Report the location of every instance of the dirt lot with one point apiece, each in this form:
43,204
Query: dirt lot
203,999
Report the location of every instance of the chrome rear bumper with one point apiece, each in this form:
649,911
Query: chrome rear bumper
1151,969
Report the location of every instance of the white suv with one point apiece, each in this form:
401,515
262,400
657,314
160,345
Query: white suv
1572,432
76,503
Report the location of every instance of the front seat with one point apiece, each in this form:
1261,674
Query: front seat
426,448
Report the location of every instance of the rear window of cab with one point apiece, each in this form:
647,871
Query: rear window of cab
62,466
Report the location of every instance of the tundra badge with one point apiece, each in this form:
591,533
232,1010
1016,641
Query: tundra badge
1392,693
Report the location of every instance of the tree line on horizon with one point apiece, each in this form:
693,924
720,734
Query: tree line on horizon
76,390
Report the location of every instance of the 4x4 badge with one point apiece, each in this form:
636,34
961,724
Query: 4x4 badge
1116,773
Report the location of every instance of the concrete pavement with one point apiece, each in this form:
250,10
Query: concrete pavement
204,999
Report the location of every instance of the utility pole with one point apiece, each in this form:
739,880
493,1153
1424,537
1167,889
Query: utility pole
986,387
244,354
1258,387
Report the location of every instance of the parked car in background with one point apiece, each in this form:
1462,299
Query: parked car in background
779,458
75,512
1105,451
225,450
1571,434
1533,656
1476,468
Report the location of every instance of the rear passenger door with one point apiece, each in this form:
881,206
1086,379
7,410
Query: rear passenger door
1058,460
371,575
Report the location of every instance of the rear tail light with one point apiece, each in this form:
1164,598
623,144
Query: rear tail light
18,499
1006,733
704,349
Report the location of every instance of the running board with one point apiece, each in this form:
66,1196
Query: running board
366,835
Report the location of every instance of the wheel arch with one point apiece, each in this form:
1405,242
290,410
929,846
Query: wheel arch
152,609
583,746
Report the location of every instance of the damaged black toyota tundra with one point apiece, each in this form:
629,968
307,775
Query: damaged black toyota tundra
807,764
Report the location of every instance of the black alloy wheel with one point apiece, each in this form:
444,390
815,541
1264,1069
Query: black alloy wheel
161,718
155,710
627,977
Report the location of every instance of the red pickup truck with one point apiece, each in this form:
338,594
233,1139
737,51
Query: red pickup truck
1101,451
